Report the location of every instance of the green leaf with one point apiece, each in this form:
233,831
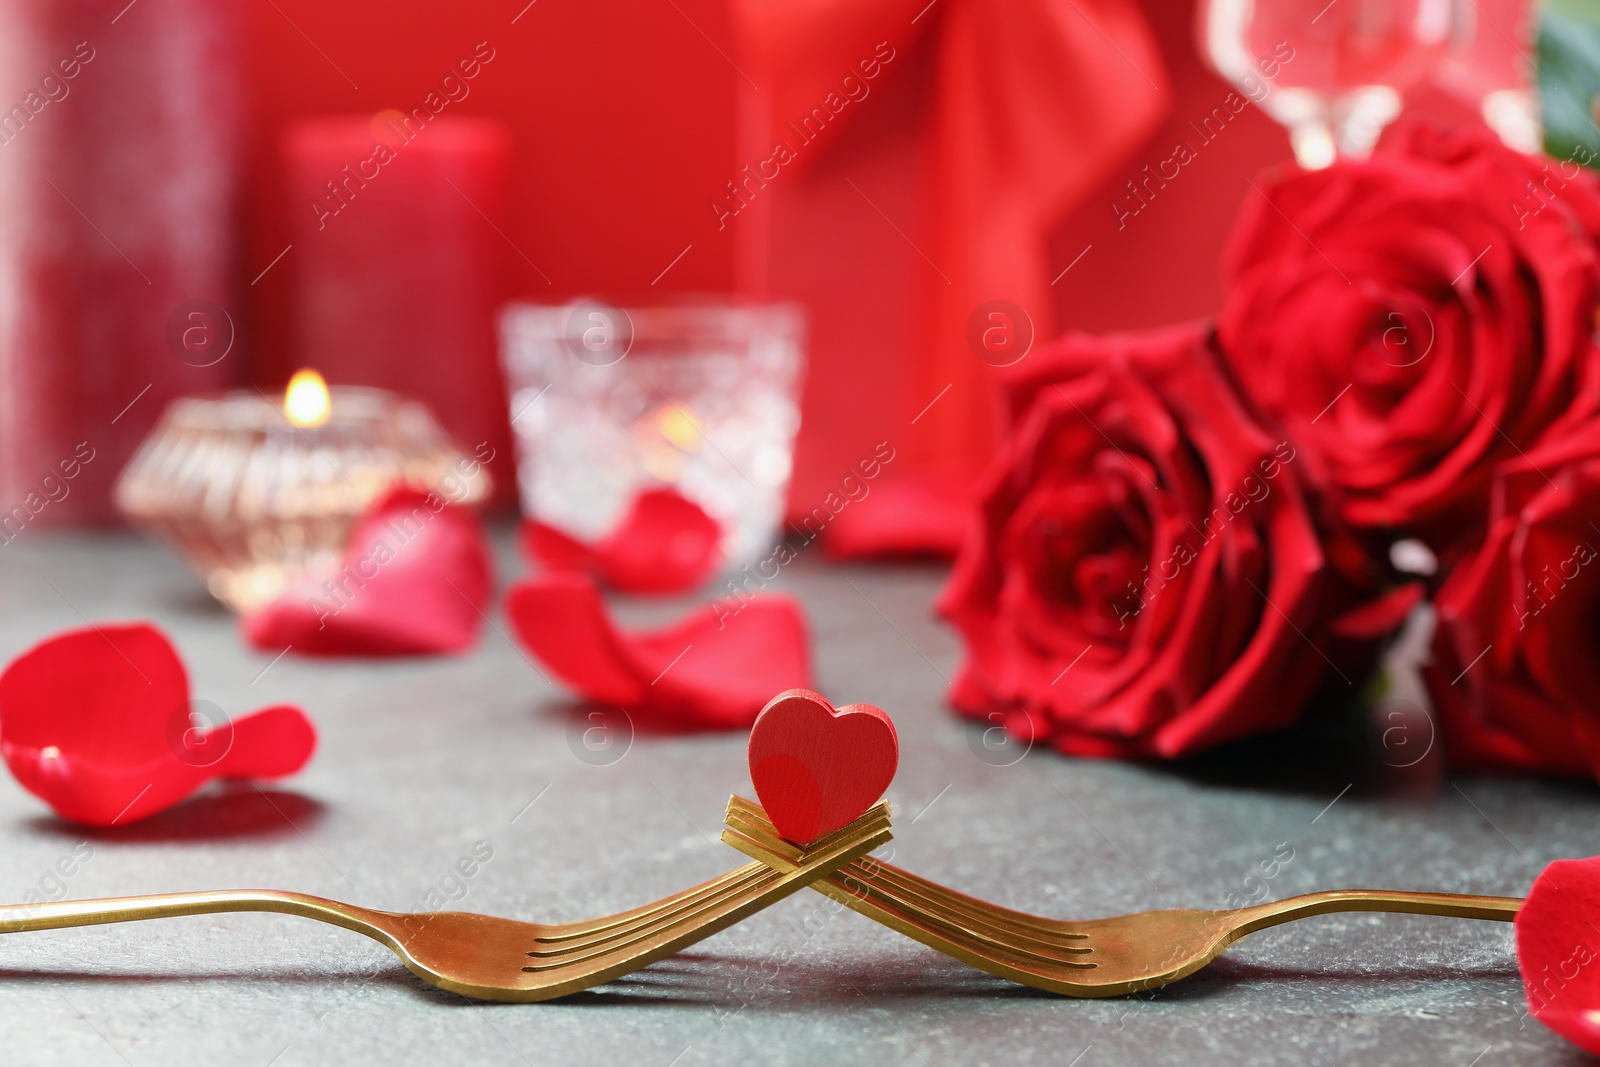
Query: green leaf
1569,78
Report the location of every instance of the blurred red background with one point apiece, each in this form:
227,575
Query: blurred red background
624,115
625,118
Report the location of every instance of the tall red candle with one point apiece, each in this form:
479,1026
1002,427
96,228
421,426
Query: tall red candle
396,262
119,133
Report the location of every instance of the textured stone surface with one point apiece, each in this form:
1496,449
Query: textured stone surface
421,759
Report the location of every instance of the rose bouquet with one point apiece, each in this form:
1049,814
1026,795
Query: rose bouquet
1185,532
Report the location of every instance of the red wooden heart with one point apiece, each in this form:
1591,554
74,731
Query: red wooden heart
817,767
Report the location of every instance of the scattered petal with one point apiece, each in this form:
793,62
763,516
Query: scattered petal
713,669
415,579
665,544
98,724
1558,950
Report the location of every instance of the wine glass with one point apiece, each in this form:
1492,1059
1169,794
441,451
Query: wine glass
1489,65
1332,71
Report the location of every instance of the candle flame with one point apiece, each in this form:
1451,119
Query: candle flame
306,402
679,425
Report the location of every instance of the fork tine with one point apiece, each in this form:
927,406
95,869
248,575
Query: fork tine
1003,958
753,813
579,951
753,877
738,807
908,886
1019,944
860,884
569,930
1028,968
866,833
712,892
928,897
643,920
975,922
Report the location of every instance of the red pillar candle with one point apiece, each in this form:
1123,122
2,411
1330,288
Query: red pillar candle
396,264
119,130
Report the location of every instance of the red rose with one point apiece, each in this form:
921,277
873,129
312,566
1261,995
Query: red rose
1514,673
1531,182
1414,319
1144,578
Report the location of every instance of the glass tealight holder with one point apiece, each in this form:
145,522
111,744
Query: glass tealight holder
253,501
701,397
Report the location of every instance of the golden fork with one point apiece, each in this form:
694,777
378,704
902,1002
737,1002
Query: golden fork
1097,958
502,959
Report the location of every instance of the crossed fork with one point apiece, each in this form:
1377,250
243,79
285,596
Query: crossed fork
491,959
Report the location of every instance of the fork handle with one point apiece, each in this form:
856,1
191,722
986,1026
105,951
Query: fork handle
17,918
1458,905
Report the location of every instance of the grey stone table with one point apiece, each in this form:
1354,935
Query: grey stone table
422,762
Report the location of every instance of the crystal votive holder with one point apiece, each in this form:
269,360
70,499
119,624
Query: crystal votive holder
701,397
252,501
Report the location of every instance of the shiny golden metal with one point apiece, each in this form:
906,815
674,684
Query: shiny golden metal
501,959
1097,958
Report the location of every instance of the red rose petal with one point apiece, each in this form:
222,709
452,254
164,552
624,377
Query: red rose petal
710,669
1511,671
97,724
1558,950
1380,616
269,743
666,543
554,548
416,578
